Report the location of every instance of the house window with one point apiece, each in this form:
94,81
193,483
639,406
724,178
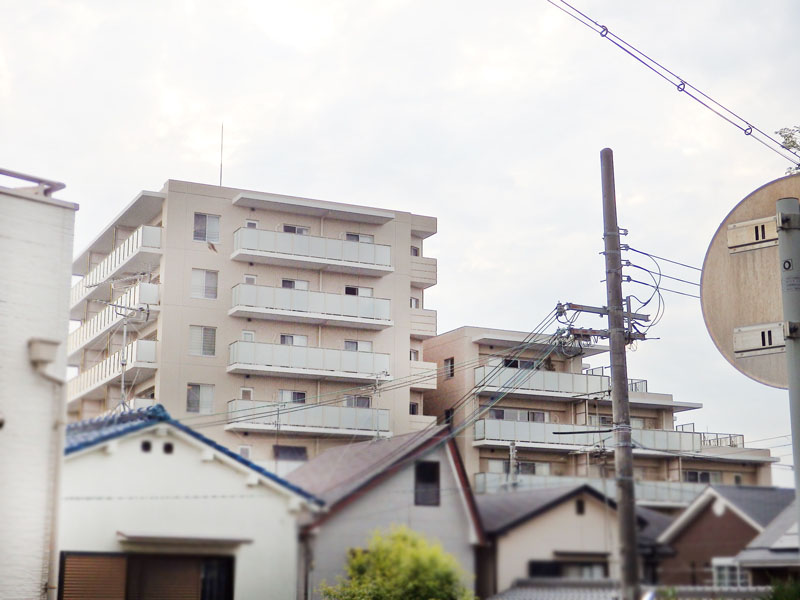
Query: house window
294,284
294,339
426,483
358,346
357,401
200,398
414,250
248,336
250,224
413,408
737,479
244,451
449,367
295,229
414,302
250,279
580,506
246,393
292,396
413,355
204,284
202,340
360,237
206,228
728,574
354,290
702,476
288,458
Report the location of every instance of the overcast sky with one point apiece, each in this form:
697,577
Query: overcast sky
488,115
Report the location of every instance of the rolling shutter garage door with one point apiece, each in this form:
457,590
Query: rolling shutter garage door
93,577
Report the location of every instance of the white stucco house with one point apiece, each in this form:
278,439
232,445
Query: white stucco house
152,508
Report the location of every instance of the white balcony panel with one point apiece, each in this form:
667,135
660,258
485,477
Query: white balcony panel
311,252
301,361
307,419
423,375
141,298
141,363
423,323
663,493
420,422
303,306
423,271
141,252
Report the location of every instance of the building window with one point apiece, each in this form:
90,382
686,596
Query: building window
251,224
358,346
413,355
426,483
517,414
295,229
737,479
415,303
413,408
206,228
580,506
599,420
204,284
449,367
202,340
288,458
292,396
360,237
728,574
414,250
246,393
637,423
200,398
248,336
294,339
702,476
354,290
294,284
357,401
244,451
250,279
524,467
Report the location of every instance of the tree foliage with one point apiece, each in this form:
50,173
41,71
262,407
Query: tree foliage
400,565
784,590
790,138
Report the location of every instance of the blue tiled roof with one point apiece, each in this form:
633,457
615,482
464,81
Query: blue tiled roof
85,434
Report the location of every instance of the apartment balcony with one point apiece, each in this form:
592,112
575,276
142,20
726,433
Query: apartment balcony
303,306
423,272
276,360
423,323
420,422
140,358
311,252
423,375
655,493
307,419
90,334
538,382
141,252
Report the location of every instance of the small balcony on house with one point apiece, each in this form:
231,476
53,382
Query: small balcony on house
140,363
653,493
307,419
423,272
423,323
311,252
423,376
303,306
139,253
141,299
277,360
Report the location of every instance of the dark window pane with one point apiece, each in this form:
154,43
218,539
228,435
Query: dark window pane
199,227
290,452
426,484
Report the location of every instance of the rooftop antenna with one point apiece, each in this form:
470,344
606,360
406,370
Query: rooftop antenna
221,138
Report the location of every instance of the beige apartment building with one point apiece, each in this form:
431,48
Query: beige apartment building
556,420
279,326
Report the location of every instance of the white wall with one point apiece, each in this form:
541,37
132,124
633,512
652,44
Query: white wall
35,254
109,491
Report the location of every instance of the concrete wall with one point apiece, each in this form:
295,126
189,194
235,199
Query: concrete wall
120,488
392,503
35,251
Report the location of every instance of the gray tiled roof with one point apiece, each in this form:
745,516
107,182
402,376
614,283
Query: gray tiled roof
560,589
760,550
762,504
337,472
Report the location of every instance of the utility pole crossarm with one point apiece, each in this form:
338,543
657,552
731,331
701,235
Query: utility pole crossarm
603,311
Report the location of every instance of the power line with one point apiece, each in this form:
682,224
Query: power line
683,86
630,264
653,256
631,280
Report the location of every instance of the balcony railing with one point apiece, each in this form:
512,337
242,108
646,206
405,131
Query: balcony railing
423,271
138,296
715,440
302,361
634,385
423,375
582,435
145,238
423,323
140,354
545,381
290,249
263,302
647,492
253,415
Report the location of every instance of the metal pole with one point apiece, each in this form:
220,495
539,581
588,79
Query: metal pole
123,362
788,220
623,449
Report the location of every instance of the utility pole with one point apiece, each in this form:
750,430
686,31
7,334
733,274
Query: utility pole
623,449
788,221
512,464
